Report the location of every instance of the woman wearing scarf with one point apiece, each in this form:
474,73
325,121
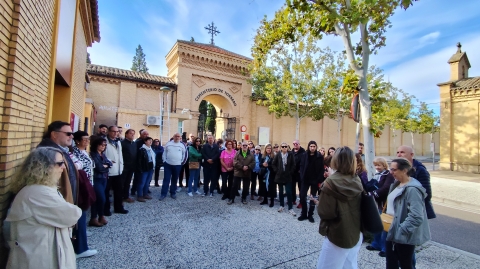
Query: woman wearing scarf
284,166
146,164
267,186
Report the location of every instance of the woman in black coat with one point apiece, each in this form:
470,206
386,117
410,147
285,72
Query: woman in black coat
284,165
100,175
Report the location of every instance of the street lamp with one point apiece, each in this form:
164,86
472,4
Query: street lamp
164,90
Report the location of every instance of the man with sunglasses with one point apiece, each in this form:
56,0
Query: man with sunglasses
297,153
59,135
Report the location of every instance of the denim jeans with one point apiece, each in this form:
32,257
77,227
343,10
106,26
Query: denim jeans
144,183
80,243
209,178
193,179
98,207
288,190
379,240
170,178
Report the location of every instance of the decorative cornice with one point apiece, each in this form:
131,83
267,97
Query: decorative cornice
217,79
458,95
109,80
212,71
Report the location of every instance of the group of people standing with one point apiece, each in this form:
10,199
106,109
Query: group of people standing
60,181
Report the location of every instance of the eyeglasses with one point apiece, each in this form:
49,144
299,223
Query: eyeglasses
198,141
244,146
257,149
275,147
295,143
67,133
60,163
284,147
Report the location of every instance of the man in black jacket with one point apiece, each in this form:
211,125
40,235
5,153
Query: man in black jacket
311,174
137,174
211,156
297,152
129,151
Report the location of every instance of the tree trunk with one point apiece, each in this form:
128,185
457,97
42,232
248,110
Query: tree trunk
413,142
357,136
297,127
394,142
339,123
366,114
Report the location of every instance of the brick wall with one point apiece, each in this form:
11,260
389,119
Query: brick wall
26,30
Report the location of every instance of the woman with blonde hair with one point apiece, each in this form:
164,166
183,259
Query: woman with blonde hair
40,218
339,211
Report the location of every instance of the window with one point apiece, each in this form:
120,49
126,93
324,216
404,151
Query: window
180,127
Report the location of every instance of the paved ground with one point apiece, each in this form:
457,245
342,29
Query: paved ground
204,232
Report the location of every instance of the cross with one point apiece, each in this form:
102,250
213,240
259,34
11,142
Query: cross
213,31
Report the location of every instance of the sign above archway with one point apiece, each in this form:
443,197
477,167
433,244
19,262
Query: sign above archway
216,90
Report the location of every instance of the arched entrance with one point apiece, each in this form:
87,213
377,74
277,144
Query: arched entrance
221,114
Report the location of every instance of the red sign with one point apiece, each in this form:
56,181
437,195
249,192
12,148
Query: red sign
243,128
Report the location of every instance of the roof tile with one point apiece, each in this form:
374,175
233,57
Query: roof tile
127,74
467,83
213,48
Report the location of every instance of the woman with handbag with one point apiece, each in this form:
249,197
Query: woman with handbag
339,207
409,227
226,161
194,159
100,175
380,184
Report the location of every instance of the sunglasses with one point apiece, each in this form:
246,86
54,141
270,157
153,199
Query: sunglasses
258,149
244,146
284,147
67,133
60,163
295,143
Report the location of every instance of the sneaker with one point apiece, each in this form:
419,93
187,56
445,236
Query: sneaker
280,209
173,196
204,194
179,189
292,212
244,201
211,194
230,201
161,198
197,192
190,194
87,253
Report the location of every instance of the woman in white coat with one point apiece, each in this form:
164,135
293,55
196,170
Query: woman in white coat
40,219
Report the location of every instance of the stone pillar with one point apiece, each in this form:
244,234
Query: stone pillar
222,124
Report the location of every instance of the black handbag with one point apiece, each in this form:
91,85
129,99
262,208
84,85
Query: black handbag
371,185
262,172
370,217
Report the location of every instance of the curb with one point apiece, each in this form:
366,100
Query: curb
456,250
456,204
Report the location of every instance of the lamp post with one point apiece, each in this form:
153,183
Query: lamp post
164,90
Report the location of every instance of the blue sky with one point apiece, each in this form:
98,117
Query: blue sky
419,44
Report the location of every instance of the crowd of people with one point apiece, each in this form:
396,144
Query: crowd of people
71,173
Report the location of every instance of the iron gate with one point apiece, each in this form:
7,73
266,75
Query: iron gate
231,126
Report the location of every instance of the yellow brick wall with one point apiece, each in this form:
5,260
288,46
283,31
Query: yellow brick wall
79,67
105,96
26,30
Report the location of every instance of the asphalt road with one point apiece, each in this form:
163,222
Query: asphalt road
456,228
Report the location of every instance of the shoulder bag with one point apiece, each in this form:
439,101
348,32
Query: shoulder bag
370,218
386,218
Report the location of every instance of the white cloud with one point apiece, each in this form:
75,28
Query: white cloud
421,75
428,39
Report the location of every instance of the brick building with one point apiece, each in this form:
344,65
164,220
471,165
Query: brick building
43,49
197,72
460,117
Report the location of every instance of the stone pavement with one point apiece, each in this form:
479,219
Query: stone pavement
204,232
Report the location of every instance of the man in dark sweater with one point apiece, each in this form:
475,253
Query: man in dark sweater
137,175
297,152
211,156
129,151
311,174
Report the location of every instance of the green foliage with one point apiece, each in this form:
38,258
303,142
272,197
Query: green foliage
139,64
210,123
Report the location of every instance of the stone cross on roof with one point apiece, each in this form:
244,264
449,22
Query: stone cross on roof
213,31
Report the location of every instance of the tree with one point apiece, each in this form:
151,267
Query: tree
211,118
139,64
368,18
88,58
292,85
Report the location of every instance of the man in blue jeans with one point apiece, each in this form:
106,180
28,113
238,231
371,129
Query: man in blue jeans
211,157
175,155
